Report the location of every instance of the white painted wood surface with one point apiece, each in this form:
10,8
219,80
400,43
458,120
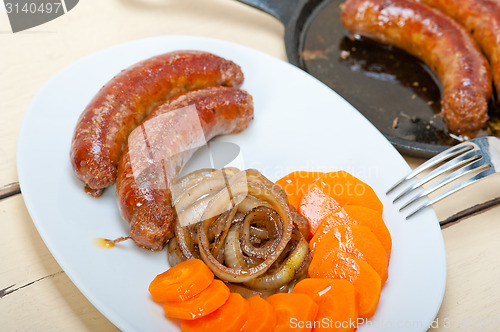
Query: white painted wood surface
42,297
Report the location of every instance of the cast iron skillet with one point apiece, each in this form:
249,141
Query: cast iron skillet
392,89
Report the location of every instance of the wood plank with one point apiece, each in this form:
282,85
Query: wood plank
10,189
472,288
37,295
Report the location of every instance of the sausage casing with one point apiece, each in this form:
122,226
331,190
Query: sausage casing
161,145
439,41
102,130
482,19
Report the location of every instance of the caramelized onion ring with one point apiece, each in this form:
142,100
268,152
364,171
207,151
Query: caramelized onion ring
258,190
241,225
273,226
286,271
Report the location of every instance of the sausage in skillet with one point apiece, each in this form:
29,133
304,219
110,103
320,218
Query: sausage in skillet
443,44
482,19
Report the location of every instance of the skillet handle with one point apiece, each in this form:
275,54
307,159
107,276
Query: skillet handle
281,9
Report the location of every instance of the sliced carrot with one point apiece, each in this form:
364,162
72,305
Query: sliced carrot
372,219
262,317
181,282
232,316
349,190
315,206
354,215
335,264
294,312
334,219
296,184
360,242
336,299
209,300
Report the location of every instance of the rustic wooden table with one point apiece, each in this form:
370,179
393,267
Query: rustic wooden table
35,294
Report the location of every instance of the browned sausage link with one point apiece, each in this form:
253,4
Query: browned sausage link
102,130
482,19
160,146
443,44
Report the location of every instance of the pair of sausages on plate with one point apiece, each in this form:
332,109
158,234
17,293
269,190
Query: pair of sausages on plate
447,35
99,150
143,125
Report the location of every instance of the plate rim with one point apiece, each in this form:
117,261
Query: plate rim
115,319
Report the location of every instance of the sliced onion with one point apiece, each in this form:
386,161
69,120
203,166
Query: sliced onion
194,212
203,188
258,233
301,223
242,228
260,191
233,256
249,203
285,272
175,255
272,223
221,237
185,241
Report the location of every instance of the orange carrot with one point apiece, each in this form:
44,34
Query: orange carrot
209,300
181,282
373,220
336,299
294,312
334,219
296,184
349,190
315,206
354,215
232,316
335,264
360,242
262,317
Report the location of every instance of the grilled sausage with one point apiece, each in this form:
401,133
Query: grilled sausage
443,44
482,19
160,146
102,130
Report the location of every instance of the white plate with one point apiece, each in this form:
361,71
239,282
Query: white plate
300,124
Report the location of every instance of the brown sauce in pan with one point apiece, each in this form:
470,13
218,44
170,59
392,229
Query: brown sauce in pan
392,89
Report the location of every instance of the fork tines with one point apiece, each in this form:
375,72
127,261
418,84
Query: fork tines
468,158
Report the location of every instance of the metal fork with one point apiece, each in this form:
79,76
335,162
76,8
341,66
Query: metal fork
479,156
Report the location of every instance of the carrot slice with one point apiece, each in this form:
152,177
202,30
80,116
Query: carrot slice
360,242
335,264
336,299
296,184
294,312
181,282
334,219
315,206
232,316
349,190
209,300
372,219
262,317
